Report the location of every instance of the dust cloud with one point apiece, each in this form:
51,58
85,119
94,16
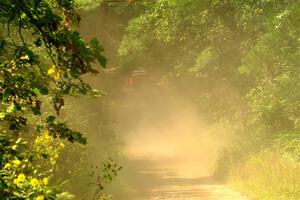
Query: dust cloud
167,129
166,141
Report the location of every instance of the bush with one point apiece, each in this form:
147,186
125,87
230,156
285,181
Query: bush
269,175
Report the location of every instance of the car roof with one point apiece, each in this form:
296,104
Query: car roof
139,72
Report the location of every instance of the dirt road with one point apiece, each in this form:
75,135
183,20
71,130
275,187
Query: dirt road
170,178
171,147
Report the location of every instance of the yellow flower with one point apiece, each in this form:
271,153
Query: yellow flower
54,70
62,145
40,198
19,179
46,138
16,162
7,166
51,70
45,181
34,182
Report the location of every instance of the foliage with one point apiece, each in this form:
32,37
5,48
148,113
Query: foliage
260,178
42,57
242,58
88,4
109,171
227,47
27,171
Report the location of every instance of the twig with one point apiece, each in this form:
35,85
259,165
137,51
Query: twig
20,26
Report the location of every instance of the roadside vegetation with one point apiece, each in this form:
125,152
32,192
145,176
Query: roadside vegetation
238,62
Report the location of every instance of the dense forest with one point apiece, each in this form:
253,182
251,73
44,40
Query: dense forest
71,73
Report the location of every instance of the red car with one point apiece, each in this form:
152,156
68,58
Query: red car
138,77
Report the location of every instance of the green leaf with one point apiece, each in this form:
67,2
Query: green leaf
36,91
50,119
44,90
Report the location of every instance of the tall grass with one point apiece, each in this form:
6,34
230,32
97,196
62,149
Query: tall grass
268,175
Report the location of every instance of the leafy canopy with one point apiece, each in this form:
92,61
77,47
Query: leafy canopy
41,57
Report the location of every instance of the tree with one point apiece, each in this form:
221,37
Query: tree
225,46
240,56
42,57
